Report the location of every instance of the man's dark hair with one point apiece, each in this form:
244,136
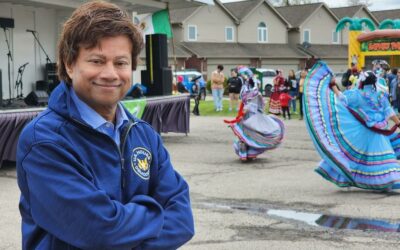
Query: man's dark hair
90,23
394,71
220,67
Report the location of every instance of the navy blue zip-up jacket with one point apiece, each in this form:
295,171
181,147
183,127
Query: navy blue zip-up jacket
79,190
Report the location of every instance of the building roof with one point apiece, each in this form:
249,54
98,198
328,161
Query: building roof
351,11
386,14
348,11
242,50
296,15
180,15
326,51
241,9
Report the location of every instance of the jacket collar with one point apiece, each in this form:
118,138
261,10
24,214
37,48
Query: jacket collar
61,102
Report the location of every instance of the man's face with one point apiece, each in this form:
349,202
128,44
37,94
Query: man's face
101,76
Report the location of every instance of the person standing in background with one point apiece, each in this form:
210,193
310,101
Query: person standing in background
180,86
217,87
274,101
285,99
292,82
196,94
234,87
303,75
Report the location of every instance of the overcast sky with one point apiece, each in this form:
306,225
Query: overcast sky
376,4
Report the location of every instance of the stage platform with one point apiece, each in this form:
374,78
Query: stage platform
164,113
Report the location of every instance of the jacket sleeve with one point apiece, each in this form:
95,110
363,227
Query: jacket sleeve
65,202
172,192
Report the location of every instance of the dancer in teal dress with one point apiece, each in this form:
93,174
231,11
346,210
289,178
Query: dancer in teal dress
351,131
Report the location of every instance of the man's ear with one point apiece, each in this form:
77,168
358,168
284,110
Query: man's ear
69,69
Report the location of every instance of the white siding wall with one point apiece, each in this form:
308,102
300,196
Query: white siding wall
178,33
277,30
294,37
337,65
211,22
321,25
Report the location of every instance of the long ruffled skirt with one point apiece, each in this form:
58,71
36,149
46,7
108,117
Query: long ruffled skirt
257,134
352,154
275,103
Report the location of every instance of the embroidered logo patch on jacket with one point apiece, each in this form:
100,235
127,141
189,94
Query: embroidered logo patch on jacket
140,162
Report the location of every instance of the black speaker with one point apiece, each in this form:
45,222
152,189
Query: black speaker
42,85
156,51
161,84
6,22
36,98
51,76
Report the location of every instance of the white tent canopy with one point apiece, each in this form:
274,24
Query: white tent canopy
148,6
138,6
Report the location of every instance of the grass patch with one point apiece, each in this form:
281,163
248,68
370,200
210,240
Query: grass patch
207,109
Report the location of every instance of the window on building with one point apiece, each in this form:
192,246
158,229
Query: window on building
335,36
306,36
229,34
262,32
192,32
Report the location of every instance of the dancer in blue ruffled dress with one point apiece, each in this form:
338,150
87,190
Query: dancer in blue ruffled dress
351,131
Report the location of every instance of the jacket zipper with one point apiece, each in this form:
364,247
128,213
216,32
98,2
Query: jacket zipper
120,149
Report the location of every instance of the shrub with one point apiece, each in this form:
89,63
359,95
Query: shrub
208,86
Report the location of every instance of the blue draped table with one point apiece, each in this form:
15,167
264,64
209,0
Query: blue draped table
165,114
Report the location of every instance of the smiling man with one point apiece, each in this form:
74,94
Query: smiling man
91,175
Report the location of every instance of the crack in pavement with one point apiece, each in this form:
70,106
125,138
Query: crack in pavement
201,201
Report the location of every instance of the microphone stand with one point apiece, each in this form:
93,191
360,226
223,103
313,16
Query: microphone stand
40,45
18,83
9,57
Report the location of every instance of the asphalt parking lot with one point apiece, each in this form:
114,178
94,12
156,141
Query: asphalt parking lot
274,202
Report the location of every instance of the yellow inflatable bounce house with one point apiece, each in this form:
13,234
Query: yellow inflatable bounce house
382,43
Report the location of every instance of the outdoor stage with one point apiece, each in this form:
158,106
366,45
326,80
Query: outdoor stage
164,113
